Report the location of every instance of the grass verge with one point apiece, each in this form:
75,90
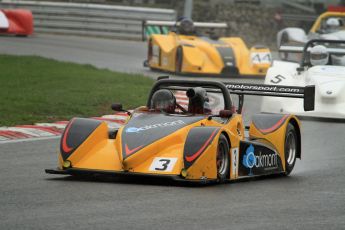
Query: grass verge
35,89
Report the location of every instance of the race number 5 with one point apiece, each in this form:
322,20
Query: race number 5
277,79
165,164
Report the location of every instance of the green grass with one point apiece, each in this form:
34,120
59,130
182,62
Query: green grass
35,89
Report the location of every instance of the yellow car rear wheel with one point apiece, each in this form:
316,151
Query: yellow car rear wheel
291,143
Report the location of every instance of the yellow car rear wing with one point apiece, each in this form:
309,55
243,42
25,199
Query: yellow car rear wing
150,27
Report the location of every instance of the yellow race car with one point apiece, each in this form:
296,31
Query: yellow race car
184,50
329,25
188,131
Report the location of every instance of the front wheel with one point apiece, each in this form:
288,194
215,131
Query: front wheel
223,161
291,143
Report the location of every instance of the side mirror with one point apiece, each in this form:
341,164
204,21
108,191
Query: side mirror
116,107
222,114
225,113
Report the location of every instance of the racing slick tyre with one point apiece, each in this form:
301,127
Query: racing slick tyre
179,59
223,159
290,148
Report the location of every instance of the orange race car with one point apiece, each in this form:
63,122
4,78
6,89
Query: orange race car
16,21
189,131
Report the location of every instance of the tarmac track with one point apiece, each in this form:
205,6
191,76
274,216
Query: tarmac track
313,197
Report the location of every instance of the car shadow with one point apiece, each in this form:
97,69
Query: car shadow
152,181
138,180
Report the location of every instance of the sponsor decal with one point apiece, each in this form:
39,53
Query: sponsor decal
165,61
154,126
234,154
264,88
262,160
155,54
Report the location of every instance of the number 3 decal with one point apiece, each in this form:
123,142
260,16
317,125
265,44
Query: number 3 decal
163,164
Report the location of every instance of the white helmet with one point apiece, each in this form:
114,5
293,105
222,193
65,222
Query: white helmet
333,25
319,55
333,22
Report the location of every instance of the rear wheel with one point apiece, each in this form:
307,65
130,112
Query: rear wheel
149,51
291,143
223,159
179,59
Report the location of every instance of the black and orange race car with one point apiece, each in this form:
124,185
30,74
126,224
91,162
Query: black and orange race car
190,131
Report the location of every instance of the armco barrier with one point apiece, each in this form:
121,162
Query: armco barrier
90,19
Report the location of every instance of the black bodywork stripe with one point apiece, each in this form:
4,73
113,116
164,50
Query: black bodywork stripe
267,123
75,133
144,129
225,51
198,139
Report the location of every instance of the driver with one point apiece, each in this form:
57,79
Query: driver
163,100
333,25
319,55
186,27
198,101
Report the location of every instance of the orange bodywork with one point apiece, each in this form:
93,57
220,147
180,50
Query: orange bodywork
228,56
98,152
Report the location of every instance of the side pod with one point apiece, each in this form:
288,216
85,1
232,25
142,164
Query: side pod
86,145
197,154
272,129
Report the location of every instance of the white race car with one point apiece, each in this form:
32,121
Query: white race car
328,78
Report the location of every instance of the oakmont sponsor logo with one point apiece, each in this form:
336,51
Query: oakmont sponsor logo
266,160
250,160
154,126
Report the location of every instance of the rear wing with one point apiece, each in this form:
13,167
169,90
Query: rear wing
306,93
300,49
150,27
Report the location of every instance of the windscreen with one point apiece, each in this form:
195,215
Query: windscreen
214,102
209,104
331,24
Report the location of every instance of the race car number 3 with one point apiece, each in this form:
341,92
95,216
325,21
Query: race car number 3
163,164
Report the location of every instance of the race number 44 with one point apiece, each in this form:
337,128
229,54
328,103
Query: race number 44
261,58
163,164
